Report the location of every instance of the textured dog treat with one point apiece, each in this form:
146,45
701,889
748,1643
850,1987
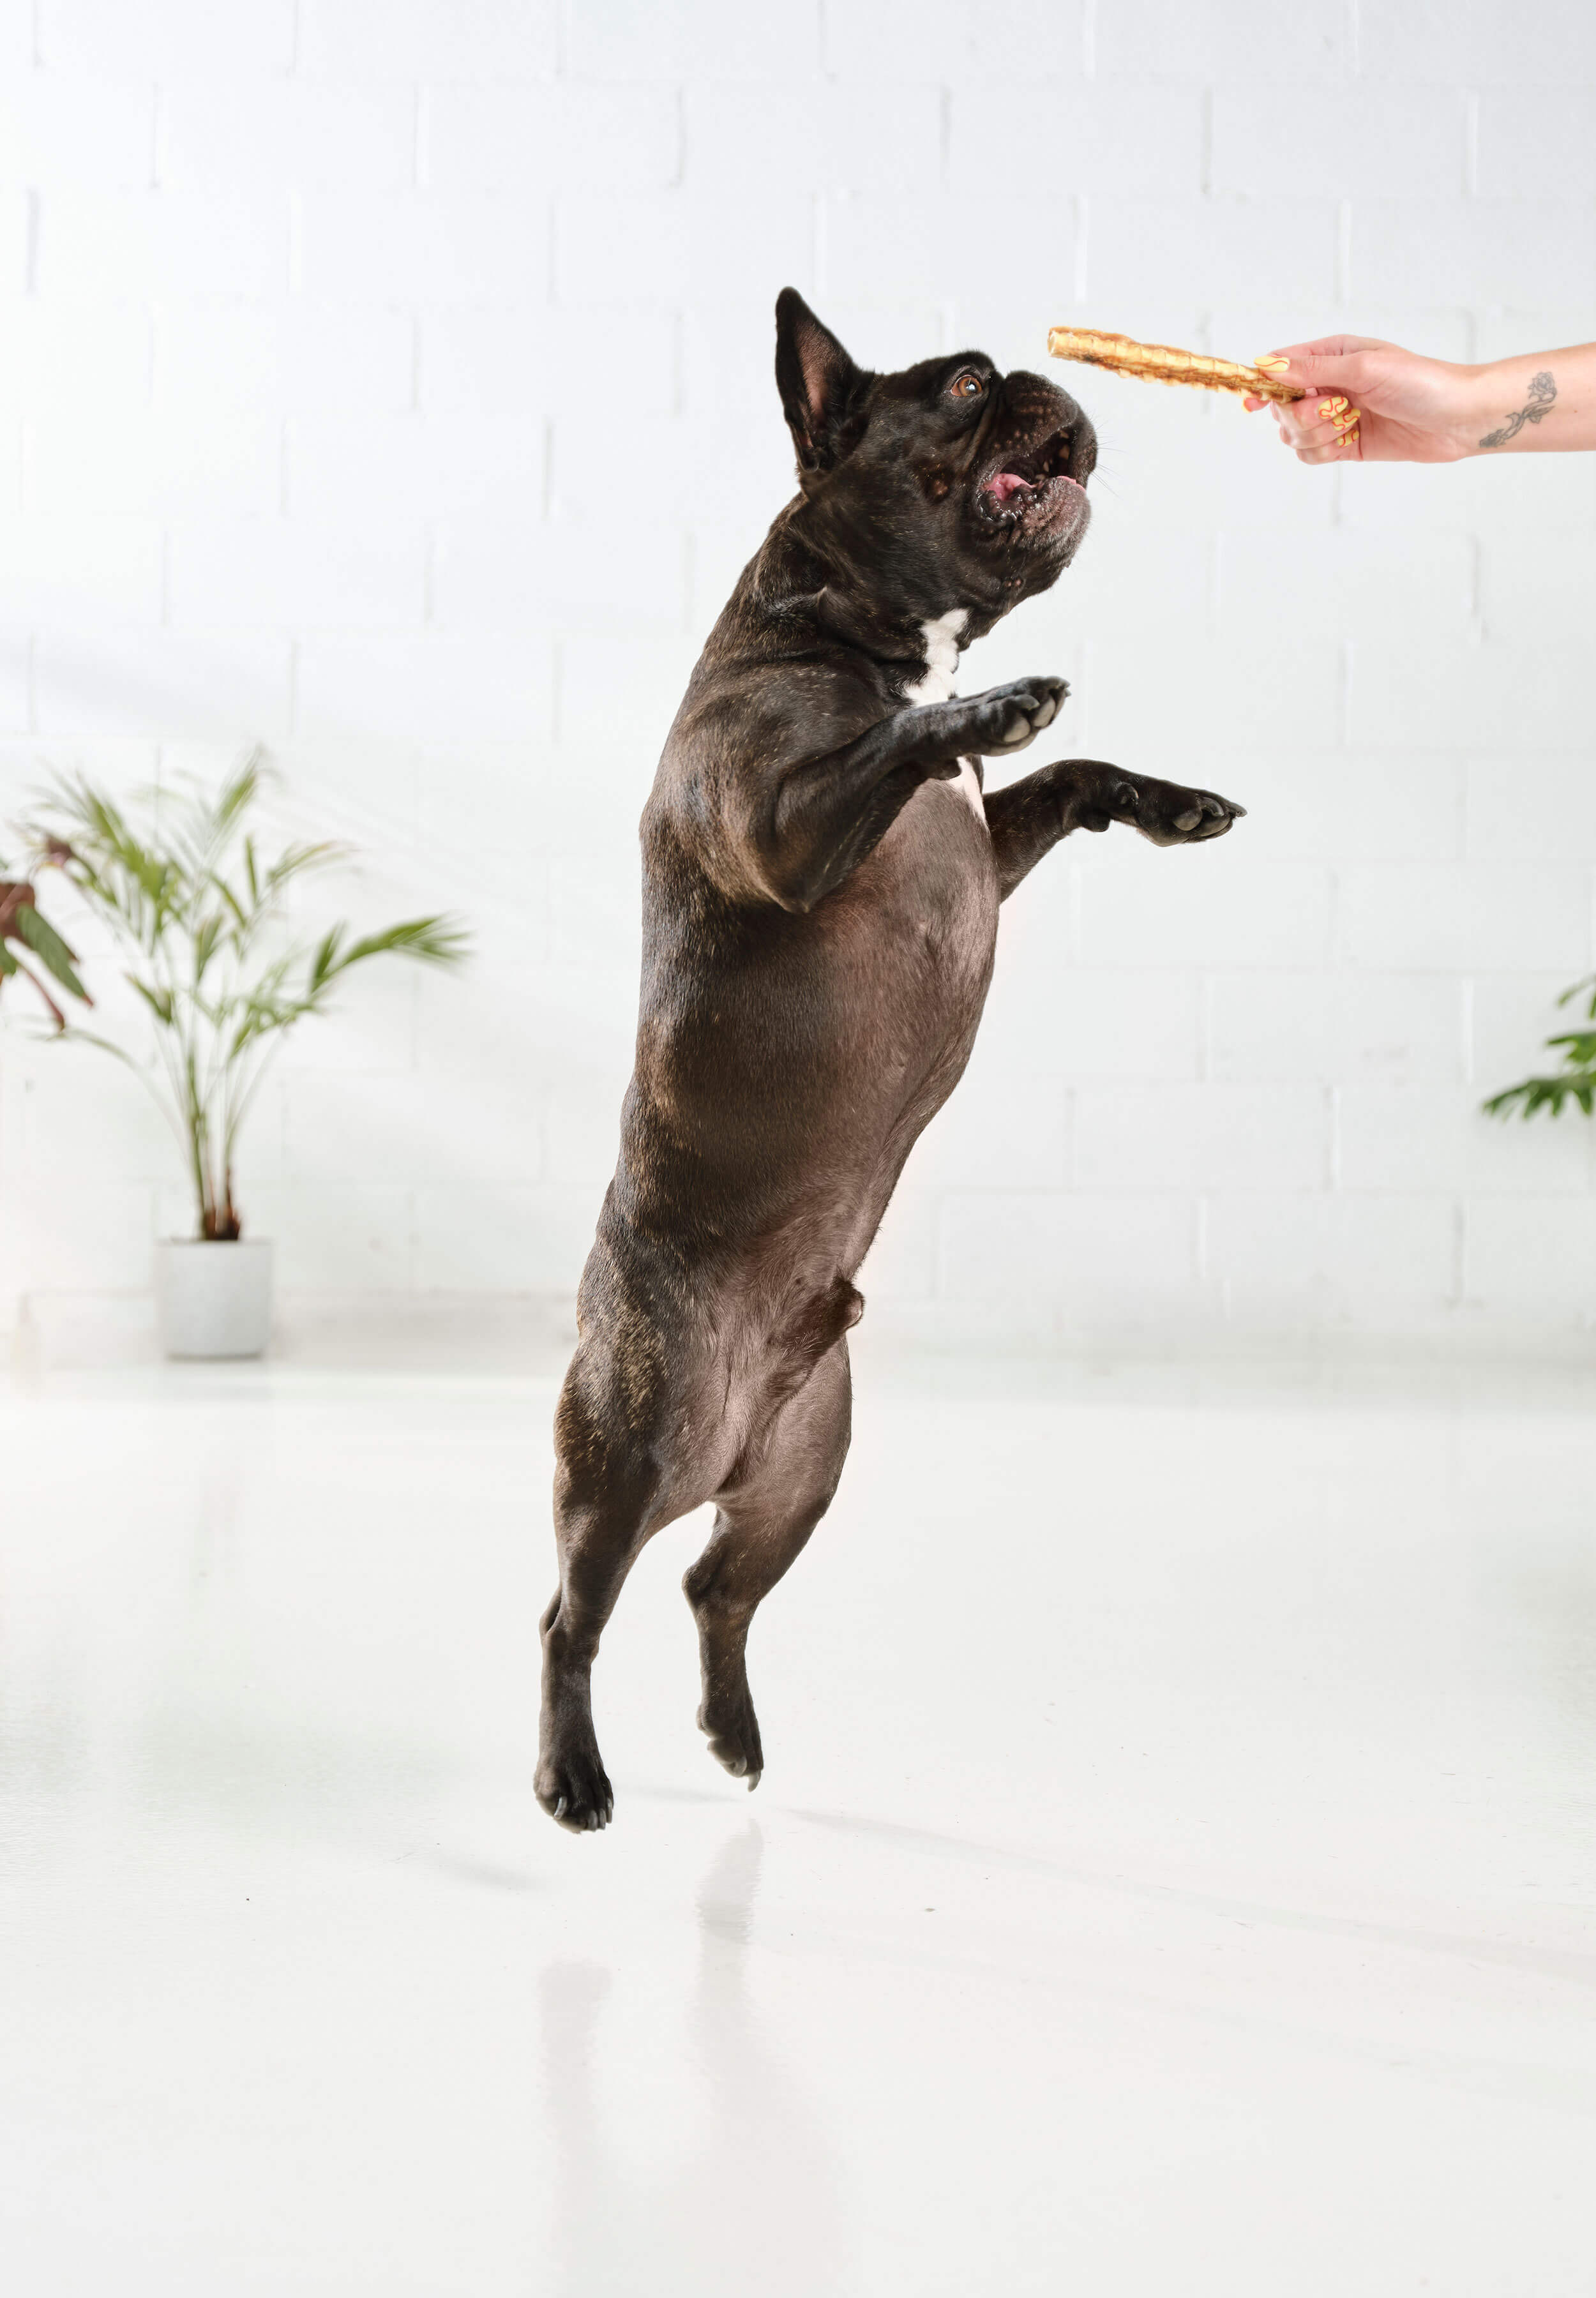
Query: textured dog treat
1162,363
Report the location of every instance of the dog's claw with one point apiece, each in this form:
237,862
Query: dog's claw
754,1779
560,1808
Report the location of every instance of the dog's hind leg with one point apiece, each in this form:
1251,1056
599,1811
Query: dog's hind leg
611,1494
763,1518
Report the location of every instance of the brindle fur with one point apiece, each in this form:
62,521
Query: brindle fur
820,915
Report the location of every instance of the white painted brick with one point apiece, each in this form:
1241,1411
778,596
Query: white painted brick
478,361
16,683
1139,251
1510,1018
392,466
1533,1256
400,1129
1085,1249
85,1115
1441,251
348,1236
627,679
1424,1136
15,226
703,39
679,468
938,247
304,358
593,914
847,136
1532,807
1172,458
216,137
1390,1027
56,129
502,1240
72,571
289,574
1540,494
85,1240
372,1026
496,572
1443,694
1480,43
1392,142
901,1264
221,686
154,465
1353,581
1386,805
165,39
64,356
1213,1136
1456,917
1508,334
523,140
16,35
1157,694
1003,1129
1221,39
680,247
429,686
1090,128
159,243
1314,1259
1524,595
431,247
1203,908
938,39
1097,1025
1531,137
1261,325
418,39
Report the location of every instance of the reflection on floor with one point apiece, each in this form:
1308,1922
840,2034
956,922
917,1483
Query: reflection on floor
1174,1871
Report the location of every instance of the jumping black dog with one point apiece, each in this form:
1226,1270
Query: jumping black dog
821,876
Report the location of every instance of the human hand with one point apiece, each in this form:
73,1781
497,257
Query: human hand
1372,402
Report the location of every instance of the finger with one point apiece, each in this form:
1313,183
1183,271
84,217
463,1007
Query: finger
1347,447
1320,373
1319,423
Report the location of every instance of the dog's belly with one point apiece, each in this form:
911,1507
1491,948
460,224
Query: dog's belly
782,1084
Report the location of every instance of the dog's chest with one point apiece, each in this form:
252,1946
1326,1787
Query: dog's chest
935,684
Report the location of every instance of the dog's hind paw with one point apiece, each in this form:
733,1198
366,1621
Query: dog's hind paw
733,1731
574,1789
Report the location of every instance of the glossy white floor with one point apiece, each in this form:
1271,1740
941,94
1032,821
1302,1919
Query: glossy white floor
1175,1869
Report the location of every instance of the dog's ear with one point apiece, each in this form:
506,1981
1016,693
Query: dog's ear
818,381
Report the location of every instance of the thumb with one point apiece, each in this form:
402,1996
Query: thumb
1314,370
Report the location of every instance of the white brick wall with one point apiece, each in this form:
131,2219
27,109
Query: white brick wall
390,380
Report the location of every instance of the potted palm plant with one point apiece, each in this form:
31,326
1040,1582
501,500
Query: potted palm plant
197,913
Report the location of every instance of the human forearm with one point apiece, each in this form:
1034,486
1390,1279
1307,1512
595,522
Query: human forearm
1535,402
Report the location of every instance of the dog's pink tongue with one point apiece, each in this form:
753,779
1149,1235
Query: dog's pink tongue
1006,484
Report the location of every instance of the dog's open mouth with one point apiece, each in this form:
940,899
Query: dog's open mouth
1029,480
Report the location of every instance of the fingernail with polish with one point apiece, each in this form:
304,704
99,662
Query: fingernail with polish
1271,366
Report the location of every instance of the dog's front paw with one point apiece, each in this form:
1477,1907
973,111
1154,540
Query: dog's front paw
1163,812
1008,717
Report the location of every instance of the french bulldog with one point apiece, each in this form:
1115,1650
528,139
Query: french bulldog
822,871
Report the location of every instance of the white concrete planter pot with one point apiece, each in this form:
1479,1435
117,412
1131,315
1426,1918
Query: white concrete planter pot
213,1300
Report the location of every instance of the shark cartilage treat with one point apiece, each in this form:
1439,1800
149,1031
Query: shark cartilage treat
1162,363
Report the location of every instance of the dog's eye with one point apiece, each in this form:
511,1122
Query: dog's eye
968,386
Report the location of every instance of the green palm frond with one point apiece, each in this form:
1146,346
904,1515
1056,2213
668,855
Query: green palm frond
1575,1082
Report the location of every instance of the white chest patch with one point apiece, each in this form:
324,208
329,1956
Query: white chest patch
935,684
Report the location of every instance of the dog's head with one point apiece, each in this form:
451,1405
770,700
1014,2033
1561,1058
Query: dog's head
951,484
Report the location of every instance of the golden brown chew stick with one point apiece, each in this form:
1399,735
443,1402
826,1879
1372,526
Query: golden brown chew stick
1162,363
